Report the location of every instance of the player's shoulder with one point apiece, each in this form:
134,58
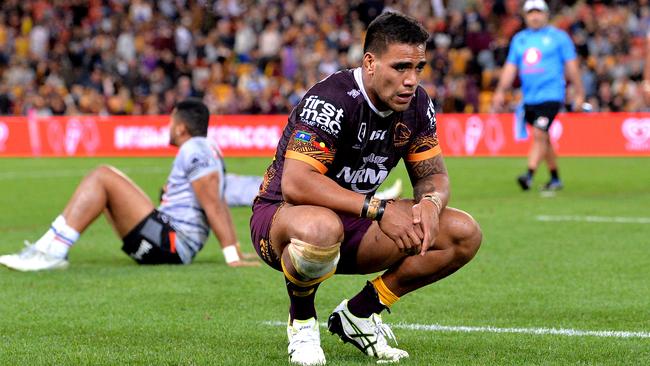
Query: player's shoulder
421,105
555,30
559,33
339,88
421,94
522,34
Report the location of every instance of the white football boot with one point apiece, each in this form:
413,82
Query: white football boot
367,334
304,343
32,259
391,193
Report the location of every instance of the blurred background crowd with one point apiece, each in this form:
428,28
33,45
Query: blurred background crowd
63,57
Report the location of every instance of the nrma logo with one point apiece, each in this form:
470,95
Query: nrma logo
368,177
327,117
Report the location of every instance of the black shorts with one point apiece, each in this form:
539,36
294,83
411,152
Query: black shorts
541,115
152,241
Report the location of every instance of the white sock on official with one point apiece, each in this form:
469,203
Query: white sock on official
58,240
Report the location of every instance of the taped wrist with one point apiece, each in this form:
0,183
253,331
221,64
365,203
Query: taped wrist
373,208
435,199
230,253
312,262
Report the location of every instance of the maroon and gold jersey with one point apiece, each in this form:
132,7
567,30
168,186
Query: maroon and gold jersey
337,130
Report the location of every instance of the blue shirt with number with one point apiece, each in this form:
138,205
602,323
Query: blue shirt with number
540,56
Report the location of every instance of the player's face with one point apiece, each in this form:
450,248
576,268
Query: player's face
536,19
395,75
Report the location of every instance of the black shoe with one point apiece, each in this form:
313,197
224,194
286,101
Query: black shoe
524,182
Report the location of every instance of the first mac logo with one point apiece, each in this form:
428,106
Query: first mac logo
327,117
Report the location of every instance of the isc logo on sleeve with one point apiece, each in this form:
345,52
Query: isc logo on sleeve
318,113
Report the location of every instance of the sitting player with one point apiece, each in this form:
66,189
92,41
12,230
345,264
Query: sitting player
174,232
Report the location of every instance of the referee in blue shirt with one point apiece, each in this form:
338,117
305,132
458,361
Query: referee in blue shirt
542,54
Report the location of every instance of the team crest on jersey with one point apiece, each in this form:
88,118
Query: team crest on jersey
401,135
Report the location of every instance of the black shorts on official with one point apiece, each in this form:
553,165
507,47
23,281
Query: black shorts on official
541,115
152,241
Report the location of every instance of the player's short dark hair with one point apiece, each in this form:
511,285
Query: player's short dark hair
389,28
194,114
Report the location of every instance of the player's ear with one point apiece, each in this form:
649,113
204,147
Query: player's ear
369,63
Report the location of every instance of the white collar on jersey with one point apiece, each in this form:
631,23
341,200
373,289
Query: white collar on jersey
358,77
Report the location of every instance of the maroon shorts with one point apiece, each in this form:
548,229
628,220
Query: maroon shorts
264,214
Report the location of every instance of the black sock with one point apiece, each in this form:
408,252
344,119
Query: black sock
366,302
302,301
554,175
530,173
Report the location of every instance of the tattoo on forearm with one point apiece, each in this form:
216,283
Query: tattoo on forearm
425,168
423,186
422,172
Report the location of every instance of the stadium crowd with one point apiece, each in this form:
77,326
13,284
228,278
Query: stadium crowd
63,57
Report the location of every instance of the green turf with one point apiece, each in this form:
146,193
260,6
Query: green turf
106,310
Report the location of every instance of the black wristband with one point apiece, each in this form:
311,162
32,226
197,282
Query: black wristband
366,203
380,211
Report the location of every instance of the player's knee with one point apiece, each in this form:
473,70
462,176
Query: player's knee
467,236
102,171
313,261
322,229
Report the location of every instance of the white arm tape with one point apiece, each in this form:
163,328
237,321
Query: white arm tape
230,253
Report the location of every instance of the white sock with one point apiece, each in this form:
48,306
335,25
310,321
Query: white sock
58,240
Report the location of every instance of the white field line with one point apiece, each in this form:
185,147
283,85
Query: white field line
43,173
489,329
614,219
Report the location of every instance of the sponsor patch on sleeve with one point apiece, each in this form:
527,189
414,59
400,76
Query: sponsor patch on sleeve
196,163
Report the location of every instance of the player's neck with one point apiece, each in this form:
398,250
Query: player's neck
538,28
372,96
182,139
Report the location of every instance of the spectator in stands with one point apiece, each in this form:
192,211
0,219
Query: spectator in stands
286,42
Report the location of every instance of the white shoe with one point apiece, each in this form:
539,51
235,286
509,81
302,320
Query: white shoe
391,193
304,342
367,334
32,259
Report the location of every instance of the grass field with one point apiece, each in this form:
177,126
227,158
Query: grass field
587,271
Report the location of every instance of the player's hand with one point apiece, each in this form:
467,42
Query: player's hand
398,226
497,101
249,256
244,263
245,259
163,190
425,216
579,104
